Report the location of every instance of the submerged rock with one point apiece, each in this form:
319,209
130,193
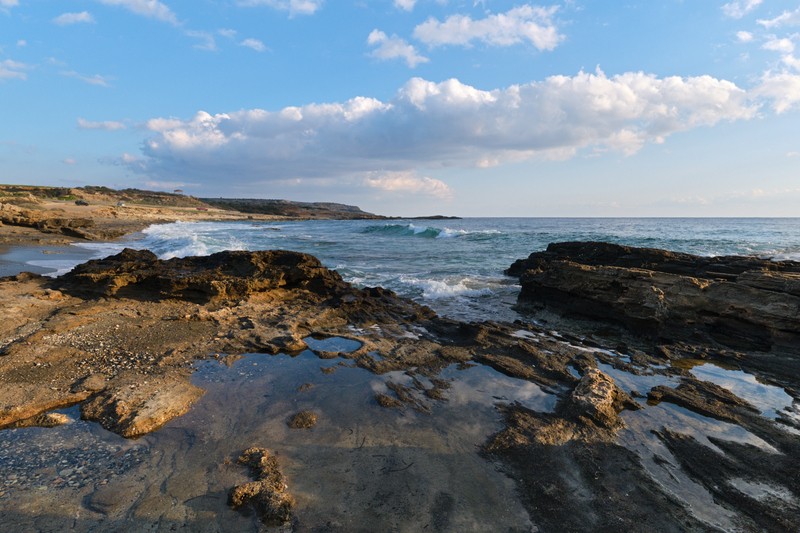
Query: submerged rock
44,420
303,420
267,494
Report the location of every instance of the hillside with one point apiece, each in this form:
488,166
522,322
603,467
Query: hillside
286,208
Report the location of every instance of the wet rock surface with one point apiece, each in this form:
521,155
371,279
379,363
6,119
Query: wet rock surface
744,304
670,311
600,428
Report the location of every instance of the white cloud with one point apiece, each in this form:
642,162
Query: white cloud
227,33
147,8
784,45
405,5
783,89
394,48
22,43
8,3
739,8
431,125
744,36
524,23
10,70
69,161
787,18
408,182
108,125
294,7
95,79
254,44
791,61
65,19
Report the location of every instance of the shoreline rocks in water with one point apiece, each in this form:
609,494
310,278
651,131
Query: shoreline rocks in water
738,302
731,303
119,336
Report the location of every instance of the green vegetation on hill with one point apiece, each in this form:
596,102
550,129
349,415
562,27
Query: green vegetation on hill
30,195
288,208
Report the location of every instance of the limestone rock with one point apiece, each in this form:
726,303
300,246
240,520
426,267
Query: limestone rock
599,398
132,410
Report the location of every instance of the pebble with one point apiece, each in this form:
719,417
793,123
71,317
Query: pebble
67,459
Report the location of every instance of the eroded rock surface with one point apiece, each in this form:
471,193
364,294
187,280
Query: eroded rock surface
268,493
120,334
735,303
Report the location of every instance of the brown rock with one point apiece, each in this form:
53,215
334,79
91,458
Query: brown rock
705,398
132,410
303,420
44,420
267,494
600,399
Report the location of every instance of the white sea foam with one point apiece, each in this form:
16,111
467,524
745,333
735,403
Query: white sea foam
433,289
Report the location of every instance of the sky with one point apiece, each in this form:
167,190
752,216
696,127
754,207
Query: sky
412,107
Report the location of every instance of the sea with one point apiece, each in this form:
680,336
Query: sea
453,266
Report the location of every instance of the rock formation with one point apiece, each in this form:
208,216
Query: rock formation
743,303
267,494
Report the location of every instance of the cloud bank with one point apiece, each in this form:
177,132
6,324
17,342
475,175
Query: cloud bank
430,125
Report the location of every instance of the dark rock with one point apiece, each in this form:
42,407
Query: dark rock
705,398
743,303
384,400
224,276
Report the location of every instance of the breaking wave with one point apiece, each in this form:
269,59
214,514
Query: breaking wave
425,232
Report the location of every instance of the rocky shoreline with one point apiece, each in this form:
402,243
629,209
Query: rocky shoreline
119,337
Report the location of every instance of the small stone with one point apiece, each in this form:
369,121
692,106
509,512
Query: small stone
303,420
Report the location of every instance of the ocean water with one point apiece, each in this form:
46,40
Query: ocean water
454,266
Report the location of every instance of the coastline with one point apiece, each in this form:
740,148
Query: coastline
162,348
49,226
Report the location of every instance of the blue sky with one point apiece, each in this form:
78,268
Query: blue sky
403,107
